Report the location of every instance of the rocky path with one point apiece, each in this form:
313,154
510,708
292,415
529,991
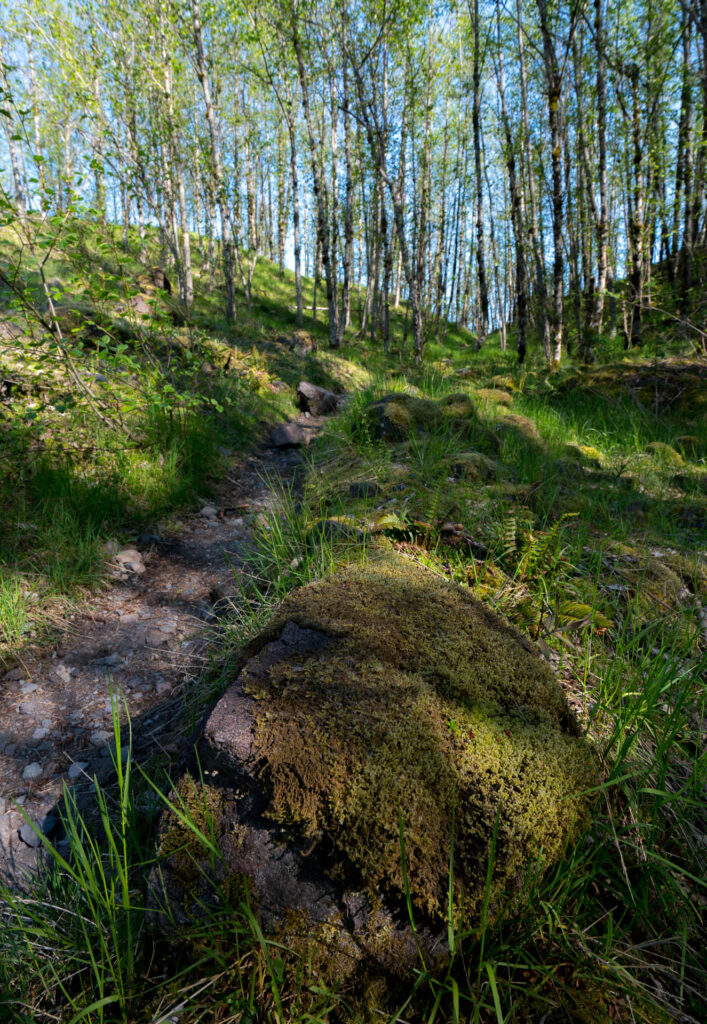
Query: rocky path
146,638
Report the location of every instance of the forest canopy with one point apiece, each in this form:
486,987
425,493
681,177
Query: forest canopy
528,162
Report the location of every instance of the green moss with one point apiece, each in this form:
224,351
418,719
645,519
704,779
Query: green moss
583,453
199,809
494,396
664,453
522,427
396,416
426,703
475,466
458,406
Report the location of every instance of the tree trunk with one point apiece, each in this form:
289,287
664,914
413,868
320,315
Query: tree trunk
217,165
482,322
319,188
553,78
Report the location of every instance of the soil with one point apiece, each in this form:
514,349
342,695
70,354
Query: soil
146,638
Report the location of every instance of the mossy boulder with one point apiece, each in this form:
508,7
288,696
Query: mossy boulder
689,444
676,386
457,408
397,416
583,453
664,453
657,582
520,428
382,700
474,466
494,396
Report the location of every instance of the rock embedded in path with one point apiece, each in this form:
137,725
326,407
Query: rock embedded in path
60,674
28,835
293,435
315,400
129,560
32,771
380,695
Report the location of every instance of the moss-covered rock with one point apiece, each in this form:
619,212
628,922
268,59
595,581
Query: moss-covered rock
583,453
512,424
689,444
474,466
394,417
655,582
397,416
664,453
494,396
384,698
459,412
671,386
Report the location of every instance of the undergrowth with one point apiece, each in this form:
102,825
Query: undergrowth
585,531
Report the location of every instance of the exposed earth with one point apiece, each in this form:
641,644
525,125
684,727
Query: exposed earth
145,639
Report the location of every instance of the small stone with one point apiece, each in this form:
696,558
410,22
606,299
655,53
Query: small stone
99,737
77,769
39,734
130,560
32,771
15,675
28,707
208,512
109,661
27,687
163,687
60,674
28,836
292,435
129,618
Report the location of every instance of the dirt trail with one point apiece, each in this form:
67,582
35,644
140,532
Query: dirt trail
146,637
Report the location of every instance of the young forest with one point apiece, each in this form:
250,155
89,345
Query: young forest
353,511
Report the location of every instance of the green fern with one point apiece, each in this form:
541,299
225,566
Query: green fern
509,538
542,555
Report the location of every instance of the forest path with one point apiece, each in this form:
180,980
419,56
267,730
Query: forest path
146,637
